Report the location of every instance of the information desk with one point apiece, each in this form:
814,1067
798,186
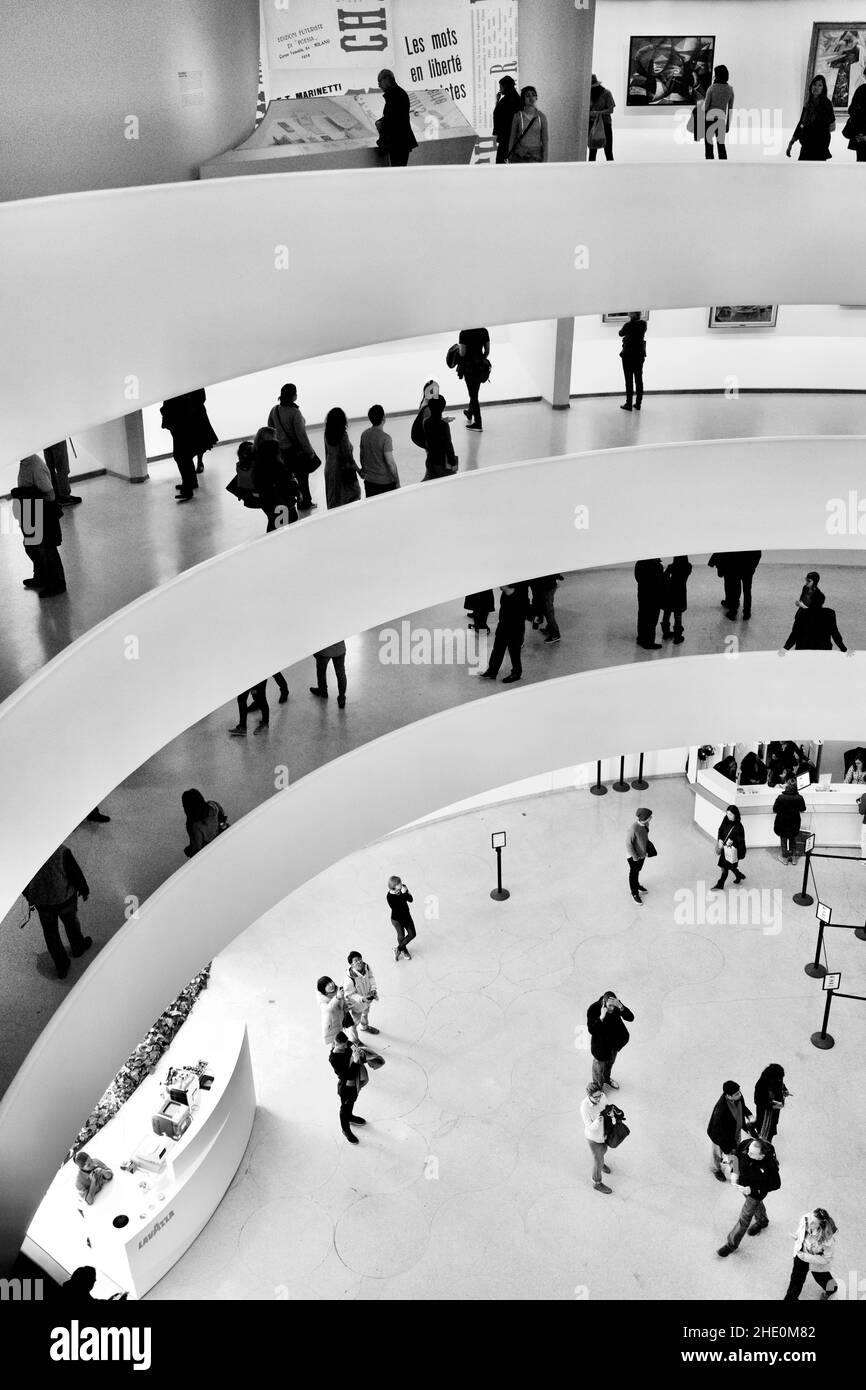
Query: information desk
165,1210
831,812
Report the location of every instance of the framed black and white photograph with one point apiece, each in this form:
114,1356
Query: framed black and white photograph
621,315
838,54
665,71
743,316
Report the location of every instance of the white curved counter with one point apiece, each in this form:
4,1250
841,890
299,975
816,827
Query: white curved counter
831,812
167,1210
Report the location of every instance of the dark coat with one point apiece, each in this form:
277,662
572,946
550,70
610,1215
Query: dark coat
504,111
733,832
676,585
633,334
272,480
857,118
814,129
723,1129
650,583
786,809
609,1034
759,1176
395,132
481,604
441,458
815,630
514,609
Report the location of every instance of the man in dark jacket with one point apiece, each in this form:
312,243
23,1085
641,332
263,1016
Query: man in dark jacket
54,892
346,1062
606,1020
815,628
633,354
650,577
738,577
474,354
759,1174
38,513
730,1116
513,612
396,137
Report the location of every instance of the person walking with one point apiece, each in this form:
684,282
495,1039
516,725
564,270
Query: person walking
479,607
601,109
605,1021
729,1119
815,628
276,487
592,1114
441,460
298,454
396,137
347,1060
633,355
675,598
814,1245
54,892
513,612
770,1096
204,821
529,136
258,701
398,899
854,129
38,514
718,104
637,846
731,845
787,809
378,469
336,653
474,344
333,1009
341,470
650,579
508,103
741,573
758,1176
360,990
542,592
180,416
204,436
816,124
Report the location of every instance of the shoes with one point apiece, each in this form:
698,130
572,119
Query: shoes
62,972
368,1028
731,616
470,426
199,468
341,702
50,593
625,407
30,583
667,634
262,728
637,899
614,1085
641,889
397,954
783,858
536,623
347,1134
509,680
794,861
486,675
357,1120
98,817
284,695
238,732
739,878
678,641
717,887
406,954
756,1230
637,405
828,1293
322,694
604,1168
725,1250
183,497
85,946
650,646
69,501
468,414
602,1186
719,1177
548,638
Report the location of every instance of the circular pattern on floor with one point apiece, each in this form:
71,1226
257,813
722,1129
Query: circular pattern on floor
538,963
476,1083
389,1155
286,1238
551,1078
473,968
400,1019
396,1089
684,958
471,1153
475,1233
462,1021
383,1235
294,1159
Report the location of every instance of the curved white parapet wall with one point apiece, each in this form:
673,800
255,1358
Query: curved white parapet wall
356,799
155,668
113,300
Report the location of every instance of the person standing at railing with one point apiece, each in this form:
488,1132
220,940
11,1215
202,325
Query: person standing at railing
718,104
633,354
816,124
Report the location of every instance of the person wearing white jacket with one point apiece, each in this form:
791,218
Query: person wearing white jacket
591,1112
335,1016
360,990
813,1253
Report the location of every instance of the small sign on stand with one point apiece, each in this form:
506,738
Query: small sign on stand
497,840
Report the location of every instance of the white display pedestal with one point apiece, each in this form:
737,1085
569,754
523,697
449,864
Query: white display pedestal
166,1210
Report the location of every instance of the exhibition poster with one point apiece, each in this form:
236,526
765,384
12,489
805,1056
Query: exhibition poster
324,47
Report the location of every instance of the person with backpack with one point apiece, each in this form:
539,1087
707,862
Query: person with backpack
54,892
474,367
601,109
275,485
204,821
758,1176
298,454
242,486
529,139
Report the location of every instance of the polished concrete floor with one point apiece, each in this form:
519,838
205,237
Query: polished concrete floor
471,1178
117,520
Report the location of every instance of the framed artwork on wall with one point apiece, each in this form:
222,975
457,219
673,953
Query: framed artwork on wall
743,316
620,315
838,54
665,71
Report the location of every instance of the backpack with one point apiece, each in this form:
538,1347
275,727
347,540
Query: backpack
245,487
452,356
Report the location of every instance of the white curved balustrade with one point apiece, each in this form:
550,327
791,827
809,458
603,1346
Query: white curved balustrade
158,666
354,800
113,300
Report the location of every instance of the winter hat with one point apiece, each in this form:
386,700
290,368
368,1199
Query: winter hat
730,1088
643,813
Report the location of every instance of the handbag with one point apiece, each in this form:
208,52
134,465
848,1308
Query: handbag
615,1128
651,850
731,856
597,131
525,131
374,1061
363,1076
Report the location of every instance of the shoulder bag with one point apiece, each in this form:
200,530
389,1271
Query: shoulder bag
596,131
730,850
524,132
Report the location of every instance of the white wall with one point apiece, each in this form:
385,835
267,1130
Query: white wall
113,300
75,71
763,43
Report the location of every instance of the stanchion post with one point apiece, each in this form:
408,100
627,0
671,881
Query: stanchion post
824,1040
640,785
804,899
815,969
622,785
499,894
598,789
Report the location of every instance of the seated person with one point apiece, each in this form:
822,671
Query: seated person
91,1177
727,767
856,772
753,772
